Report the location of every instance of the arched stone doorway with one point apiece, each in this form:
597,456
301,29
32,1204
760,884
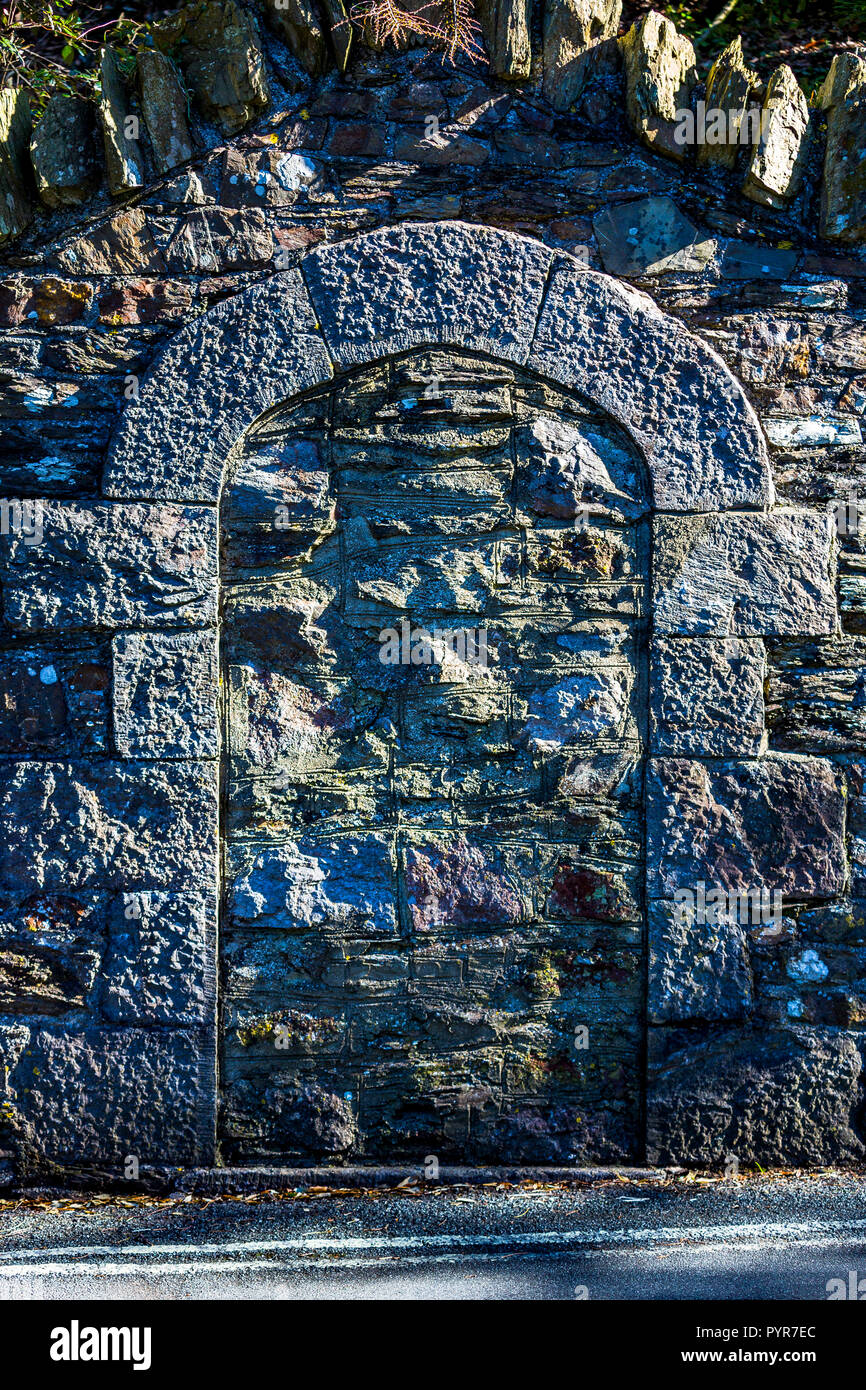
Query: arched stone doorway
727,569
433,939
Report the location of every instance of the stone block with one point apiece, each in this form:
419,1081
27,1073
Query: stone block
345,882
707,697
745,575
160,967
786,1099
98,1095
697,970
111,566
107,824
166,688
777,823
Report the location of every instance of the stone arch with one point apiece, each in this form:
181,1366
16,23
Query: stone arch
422,285
726,564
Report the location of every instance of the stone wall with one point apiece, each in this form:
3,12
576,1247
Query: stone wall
188,742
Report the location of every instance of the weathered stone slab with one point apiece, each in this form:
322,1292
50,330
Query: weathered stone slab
788,1099
707,697
108,824
163,105
64,159
346,882
123,155
579,44
777,823
732,89
660,74
676,398
160,968
227,367
745,575
218,46
776,170
649,237
697,970
298,25
423,284
15,125
505,26
104,565
101,1094
166,688
843,191
744,260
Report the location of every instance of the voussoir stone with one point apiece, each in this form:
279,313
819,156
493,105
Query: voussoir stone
675,396
745,574
427,283
108,824
165,694
105,565
697,970
788,1099
707,696
776,823
101,1094
228,367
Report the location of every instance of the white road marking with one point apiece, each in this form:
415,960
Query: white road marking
417,1249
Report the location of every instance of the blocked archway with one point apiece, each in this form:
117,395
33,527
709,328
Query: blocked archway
728,569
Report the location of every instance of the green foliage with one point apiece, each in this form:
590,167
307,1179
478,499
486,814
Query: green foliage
53,48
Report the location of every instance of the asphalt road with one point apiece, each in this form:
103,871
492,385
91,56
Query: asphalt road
743,1239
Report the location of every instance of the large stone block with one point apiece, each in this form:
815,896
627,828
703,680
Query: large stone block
227,368
345,882
676,398
418,285
745,575
697,970
787,1099
166,688
707,697
106,565
660,73
125,825
777,823
776,168
99,1095
160,967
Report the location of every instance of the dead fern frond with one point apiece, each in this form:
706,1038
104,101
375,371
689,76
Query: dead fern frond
454,29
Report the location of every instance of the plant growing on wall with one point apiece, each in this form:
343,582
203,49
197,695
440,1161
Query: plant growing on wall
450,27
